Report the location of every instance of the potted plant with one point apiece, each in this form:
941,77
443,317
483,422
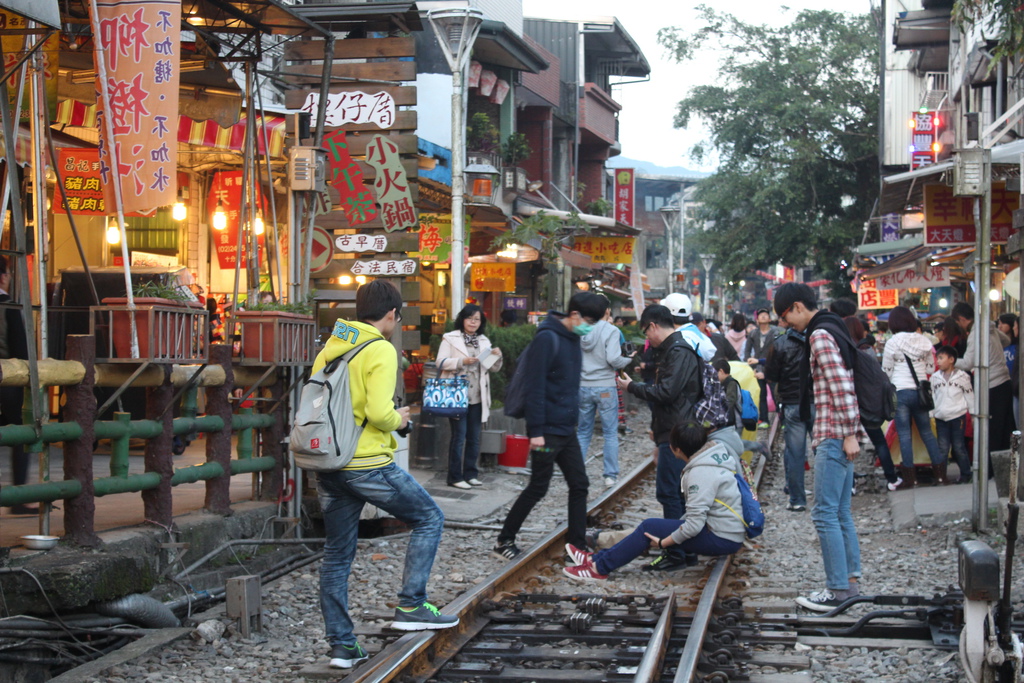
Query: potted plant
513,179
170,326
281,333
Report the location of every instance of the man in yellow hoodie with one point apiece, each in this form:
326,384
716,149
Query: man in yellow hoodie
373,477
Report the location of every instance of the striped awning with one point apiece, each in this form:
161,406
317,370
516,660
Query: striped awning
201,133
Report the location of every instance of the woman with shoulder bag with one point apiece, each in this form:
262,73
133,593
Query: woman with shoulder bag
464,351
909,359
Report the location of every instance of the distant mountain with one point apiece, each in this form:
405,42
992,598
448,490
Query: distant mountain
654,169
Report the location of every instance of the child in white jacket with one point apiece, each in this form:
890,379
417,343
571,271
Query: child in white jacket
954,395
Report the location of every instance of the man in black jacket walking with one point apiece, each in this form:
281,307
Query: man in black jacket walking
672,397
552,412
782,371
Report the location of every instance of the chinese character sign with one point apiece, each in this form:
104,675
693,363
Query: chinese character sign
436,238
14,47
493,277
624,195
383,268
352,243
515,303
870,297
933,276
79,171
890,227
141,41
354,107
392,187
226,190
345,175
606,249
949,220
925,149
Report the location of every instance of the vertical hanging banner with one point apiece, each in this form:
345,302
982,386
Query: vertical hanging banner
346,177
391,184
140,42
226,190
624,195
436,239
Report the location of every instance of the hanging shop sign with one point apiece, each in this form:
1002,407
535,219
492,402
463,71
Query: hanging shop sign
949,220
345,108
933,276
392,187
141,40
436,238
14,47
625,192
515,303
322,250
382,268
79,172
352,243
606,249
493,277
869,296
346,177
890,227
226,192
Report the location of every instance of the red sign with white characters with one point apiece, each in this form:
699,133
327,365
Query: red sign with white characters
625,193
227,190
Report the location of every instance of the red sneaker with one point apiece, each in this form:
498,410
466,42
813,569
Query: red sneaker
584,572
576,555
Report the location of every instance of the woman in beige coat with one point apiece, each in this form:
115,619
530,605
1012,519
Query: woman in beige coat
466,351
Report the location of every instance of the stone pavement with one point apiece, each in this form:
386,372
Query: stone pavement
930,506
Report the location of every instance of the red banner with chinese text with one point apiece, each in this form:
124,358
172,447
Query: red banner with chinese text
949,220
140,41
346,177
870,297
625,193
227,190
79,171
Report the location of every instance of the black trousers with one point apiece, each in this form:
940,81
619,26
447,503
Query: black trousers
565,452
1000,406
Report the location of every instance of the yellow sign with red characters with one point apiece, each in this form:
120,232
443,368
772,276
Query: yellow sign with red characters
493,277
606,249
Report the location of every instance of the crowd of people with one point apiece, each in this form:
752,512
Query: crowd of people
809,361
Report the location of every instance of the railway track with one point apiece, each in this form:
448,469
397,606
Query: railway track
710,625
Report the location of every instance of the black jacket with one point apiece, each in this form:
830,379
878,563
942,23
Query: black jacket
782,368
723,349
555,363
676,387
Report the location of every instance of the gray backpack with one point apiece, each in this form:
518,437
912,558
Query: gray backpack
324,435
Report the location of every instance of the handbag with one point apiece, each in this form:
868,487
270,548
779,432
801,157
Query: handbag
924,388
446,396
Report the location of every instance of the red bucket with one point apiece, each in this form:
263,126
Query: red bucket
517,451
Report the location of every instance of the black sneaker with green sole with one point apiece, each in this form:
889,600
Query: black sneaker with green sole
426,617
347,656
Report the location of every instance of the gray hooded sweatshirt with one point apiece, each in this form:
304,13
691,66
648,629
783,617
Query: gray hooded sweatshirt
711,475
602,355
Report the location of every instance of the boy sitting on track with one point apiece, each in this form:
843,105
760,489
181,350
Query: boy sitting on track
712,525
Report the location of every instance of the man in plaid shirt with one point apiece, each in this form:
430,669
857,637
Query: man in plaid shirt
835,438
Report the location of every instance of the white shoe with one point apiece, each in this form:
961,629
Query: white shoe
609,482
475,482
894,486
461,485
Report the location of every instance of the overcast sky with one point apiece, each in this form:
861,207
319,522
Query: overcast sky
646,130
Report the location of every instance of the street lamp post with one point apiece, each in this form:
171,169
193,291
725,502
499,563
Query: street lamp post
708,260
456,31
667,212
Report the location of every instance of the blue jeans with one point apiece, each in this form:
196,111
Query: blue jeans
465,440
603,401
907,407
636,544
668,489
883,453
833,484
951,432
342,496
795,434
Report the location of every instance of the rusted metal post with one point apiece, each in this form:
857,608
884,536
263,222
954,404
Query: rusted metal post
80,511
272,482
218,444
158,502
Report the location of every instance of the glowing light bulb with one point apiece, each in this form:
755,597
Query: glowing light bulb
361,279
345,280
943,302
113,233
258,226
179,211
993,294
220,217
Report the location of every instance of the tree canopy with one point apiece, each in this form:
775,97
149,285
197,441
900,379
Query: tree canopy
999,20
792,116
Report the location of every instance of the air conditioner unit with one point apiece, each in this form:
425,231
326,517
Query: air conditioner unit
307,168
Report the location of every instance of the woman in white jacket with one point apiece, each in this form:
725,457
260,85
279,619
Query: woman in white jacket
464,351
904,348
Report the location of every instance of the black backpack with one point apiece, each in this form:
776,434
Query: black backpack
876,395
516,390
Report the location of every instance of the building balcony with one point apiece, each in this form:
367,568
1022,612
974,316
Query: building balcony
598,122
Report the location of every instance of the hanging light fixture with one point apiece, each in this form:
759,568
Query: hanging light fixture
258,227
179,211
510,251
113,232
361,279
220,217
